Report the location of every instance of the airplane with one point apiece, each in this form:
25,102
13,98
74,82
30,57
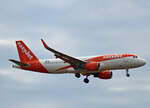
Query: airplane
99,66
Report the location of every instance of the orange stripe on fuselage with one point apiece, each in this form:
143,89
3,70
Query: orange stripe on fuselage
101,59
63,68
109,57
36,66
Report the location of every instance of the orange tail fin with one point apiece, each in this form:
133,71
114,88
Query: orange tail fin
25,53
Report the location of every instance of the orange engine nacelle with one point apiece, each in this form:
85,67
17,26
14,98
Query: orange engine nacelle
93,66
104,75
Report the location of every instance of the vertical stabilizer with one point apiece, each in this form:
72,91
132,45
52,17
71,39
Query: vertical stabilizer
25,53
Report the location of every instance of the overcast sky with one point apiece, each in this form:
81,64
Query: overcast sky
77,28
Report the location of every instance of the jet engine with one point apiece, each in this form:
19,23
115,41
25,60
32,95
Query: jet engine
93,66
104,74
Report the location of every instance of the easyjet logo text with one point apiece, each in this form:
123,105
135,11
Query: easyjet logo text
27,53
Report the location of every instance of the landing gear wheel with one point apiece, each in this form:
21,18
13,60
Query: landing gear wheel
128,75
77,75
86,80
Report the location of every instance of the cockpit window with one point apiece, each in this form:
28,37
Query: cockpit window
135,56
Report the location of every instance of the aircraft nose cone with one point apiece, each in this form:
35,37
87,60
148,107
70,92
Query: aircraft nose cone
143,62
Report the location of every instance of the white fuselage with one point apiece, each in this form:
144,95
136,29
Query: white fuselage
52,65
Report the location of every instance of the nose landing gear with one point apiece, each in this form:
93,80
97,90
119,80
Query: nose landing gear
127,73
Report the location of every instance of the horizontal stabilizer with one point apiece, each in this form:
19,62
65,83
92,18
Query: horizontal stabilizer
19,63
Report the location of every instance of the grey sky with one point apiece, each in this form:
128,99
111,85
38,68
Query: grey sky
78,28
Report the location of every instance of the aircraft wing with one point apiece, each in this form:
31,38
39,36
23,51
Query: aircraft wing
76,63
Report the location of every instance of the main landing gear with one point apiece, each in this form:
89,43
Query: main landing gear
77,75
127,73
86,80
